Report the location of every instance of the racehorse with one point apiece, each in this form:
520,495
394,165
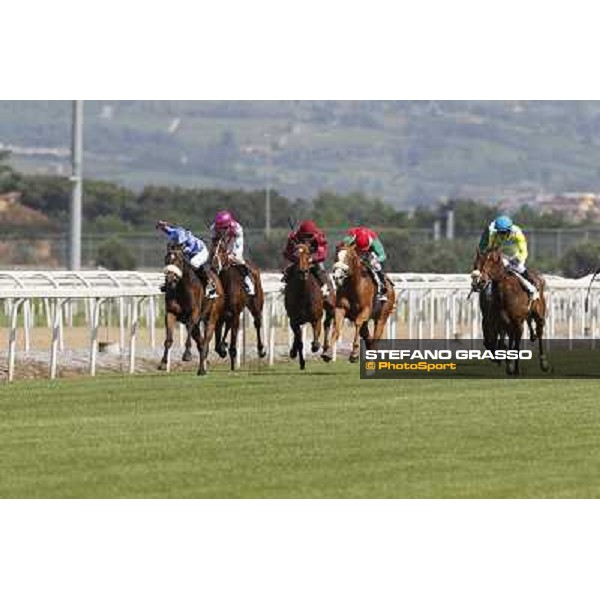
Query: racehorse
185,302
508,307
356,300
304,303
236,299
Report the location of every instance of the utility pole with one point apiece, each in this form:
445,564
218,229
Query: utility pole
268,187
76,189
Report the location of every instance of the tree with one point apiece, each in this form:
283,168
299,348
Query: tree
115,255
9,178
580,260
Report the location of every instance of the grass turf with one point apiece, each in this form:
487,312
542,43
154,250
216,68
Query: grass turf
280,433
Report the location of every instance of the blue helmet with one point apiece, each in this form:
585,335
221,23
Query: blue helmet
503,223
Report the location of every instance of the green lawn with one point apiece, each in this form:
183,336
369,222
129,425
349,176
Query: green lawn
281,433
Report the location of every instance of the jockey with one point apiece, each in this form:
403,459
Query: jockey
309,233
504,235
225,228
371,251
195,251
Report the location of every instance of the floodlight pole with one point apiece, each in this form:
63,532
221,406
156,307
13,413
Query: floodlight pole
76,188
268,188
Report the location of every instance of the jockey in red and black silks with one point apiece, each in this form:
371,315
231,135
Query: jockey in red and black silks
308,233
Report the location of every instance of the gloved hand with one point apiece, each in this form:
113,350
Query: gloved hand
161,224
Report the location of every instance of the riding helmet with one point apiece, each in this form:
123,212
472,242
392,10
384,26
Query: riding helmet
307,228
363,240
503,223
223,219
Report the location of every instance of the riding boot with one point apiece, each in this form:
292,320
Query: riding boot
203,274
534,293
381,286
321,274
248,282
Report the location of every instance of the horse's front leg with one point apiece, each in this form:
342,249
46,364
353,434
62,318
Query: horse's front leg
197,335
209,329
359,325
340,314
235,325
514,343
187,353
327,328
297,345
169,326
544,362
317,327
256,307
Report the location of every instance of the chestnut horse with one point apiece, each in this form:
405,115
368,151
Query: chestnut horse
356,300
304,303
236,299
185,302
508,307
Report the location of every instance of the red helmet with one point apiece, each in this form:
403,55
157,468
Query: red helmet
223,220
307,228
363,240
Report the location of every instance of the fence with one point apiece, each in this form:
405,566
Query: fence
428,306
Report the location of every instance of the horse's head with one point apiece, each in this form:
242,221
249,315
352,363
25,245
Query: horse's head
302,257
346,258
487,267
174,265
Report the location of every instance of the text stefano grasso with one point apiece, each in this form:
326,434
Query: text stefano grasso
387,354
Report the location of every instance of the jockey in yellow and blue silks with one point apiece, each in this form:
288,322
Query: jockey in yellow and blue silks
502,234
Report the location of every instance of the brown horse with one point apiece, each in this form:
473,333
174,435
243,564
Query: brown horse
186,303
236,299
304,303
508,307
356,300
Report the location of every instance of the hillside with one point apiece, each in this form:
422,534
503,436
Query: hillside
408,152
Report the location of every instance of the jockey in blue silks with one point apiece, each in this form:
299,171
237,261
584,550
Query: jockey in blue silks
195,251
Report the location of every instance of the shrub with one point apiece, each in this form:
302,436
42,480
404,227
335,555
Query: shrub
115,255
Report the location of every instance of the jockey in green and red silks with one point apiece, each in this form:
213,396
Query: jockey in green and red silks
371,251
308,233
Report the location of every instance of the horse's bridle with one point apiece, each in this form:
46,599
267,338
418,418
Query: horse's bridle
173,273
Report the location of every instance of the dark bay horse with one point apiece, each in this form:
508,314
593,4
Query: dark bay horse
356,300
508,306
185,302
304,303
236,299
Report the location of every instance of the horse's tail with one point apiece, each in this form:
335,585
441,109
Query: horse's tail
587,296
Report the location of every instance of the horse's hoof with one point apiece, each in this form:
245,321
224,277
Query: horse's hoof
162,366
302,366
544,365
221,351
315,347
202,372
293,353
262,353
326,357
353,358
186,357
